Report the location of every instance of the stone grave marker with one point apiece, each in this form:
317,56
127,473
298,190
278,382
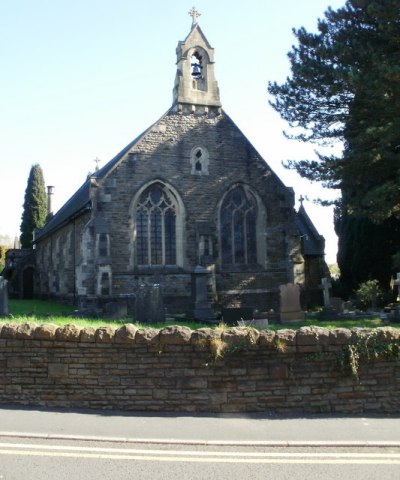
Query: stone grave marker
326,285
201,303
149,305
337,304
116,310
3,297
290,309
328,312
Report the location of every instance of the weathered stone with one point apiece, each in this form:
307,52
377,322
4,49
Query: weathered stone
68,333
9,330
46,331
312,336
387,334
88,334
286,335
18,362
266,338
240,336
175,335
105,335
57,370
126,334
147,336
26,330
278,372
339,336
204,334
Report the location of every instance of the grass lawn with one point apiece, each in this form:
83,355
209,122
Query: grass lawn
40,311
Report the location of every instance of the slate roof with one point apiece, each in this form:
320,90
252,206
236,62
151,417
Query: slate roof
313,242
80,201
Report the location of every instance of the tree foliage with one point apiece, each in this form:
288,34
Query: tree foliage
345,85
35,206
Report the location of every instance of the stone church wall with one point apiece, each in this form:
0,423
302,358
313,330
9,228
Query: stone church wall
164,154
176,369
59,257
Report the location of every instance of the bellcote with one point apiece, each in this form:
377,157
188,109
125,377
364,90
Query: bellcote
195,86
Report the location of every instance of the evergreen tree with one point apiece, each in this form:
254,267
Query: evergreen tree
35,206
345,85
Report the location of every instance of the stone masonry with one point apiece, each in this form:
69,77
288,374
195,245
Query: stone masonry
176,369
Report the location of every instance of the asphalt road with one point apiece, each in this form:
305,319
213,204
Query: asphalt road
43,444
50,459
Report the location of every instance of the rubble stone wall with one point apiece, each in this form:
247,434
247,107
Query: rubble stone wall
176,369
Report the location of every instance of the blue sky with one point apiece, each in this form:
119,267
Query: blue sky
81,78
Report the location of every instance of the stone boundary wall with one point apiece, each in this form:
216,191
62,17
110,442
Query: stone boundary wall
176,369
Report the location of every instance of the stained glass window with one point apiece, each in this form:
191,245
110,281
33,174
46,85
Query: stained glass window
156,227
238,228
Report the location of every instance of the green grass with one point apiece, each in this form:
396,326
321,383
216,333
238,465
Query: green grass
40,311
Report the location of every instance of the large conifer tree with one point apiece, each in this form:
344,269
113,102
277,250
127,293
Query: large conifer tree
345,85
35,206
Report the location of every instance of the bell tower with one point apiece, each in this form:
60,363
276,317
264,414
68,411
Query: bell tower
195,86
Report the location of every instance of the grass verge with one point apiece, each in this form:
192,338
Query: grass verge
40,311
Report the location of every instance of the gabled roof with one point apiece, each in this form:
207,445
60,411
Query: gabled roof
197,28
80,201
313,242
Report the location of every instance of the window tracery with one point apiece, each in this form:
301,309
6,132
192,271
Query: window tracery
156,213
238,219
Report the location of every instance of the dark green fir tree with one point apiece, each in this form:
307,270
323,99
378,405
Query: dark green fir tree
35,206
345,86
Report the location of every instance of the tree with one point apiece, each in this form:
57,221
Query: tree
345,86
35,206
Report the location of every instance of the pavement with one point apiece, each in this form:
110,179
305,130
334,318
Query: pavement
213,429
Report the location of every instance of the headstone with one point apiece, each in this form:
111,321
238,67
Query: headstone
149,305
3,297
326,285
231,316
328,312
201,303
337,304
116,310
290,310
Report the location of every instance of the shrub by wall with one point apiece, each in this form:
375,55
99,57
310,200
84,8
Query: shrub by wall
177,369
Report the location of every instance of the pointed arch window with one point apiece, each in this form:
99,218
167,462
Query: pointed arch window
238,218
199,159
156,214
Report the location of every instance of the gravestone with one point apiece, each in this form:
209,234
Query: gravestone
290,310
149,305
3,297
116,310
328,312
337,304
326,285
201,310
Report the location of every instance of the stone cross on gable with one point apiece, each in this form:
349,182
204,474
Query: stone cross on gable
195,14
326,285
97,161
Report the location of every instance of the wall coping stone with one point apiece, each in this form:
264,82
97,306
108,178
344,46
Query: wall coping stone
181,335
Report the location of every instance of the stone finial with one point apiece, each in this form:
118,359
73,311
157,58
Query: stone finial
195,14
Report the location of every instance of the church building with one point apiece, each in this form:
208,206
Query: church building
189,191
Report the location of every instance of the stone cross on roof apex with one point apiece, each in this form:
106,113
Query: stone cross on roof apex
195,14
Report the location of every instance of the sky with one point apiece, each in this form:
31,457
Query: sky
80,79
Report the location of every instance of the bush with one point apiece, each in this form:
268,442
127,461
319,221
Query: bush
369,294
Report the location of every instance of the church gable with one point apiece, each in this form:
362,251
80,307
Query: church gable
191,190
